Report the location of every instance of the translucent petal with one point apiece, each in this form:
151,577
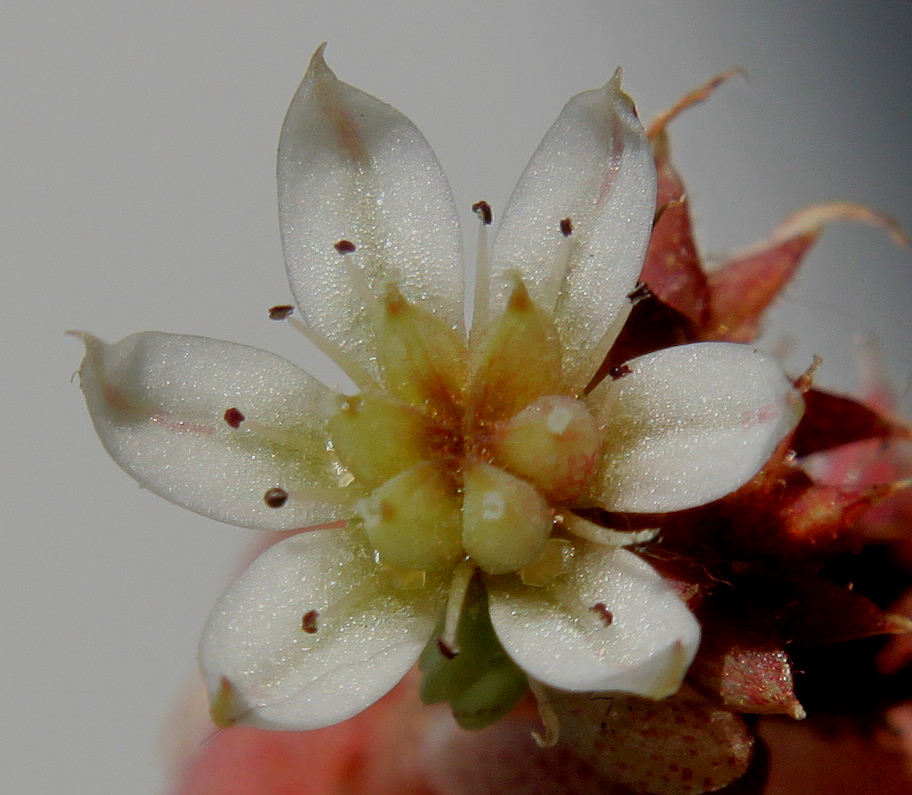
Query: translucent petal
612,623
158,402
312,633
688,425
594,167
353,168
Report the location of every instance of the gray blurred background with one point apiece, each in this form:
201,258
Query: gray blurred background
137,189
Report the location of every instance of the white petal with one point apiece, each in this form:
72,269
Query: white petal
263,669
158,402
689,424
595,167
563,636
353,168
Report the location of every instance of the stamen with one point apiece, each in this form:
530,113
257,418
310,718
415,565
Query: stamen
447,651
640,293
483,210
234,417
349,366
560,270
324,494
345,247
280,312
547,714
590,531
602,611
619,371
275,497
349,604
459,586
482,269
309,622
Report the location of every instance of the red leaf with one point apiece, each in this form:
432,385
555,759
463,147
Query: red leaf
749,672
832,420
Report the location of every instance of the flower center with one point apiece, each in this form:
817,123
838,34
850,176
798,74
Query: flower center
465,448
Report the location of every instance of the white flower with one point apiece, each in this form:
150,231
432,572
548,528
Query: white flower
464,458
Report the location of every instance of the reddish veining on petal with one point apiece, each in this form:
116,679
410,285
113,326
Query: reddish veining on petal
614,163
173,423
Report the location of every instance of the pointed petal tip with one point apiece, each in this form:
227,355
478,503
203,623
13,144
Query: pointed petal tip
613,90
670,677
87,339
317,66
223,704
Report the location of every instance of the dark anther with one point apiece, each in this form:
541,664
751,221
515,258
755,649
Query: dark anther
602,611
640,293
280,312
344,246
566,227
275,497
309,622
618,371
483,210
445,649
234,418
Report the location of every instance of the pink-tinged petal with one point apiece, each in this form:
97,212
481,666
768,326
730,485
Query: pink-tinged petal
595,168
612,623
362,202
684,426
165,407
311,633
